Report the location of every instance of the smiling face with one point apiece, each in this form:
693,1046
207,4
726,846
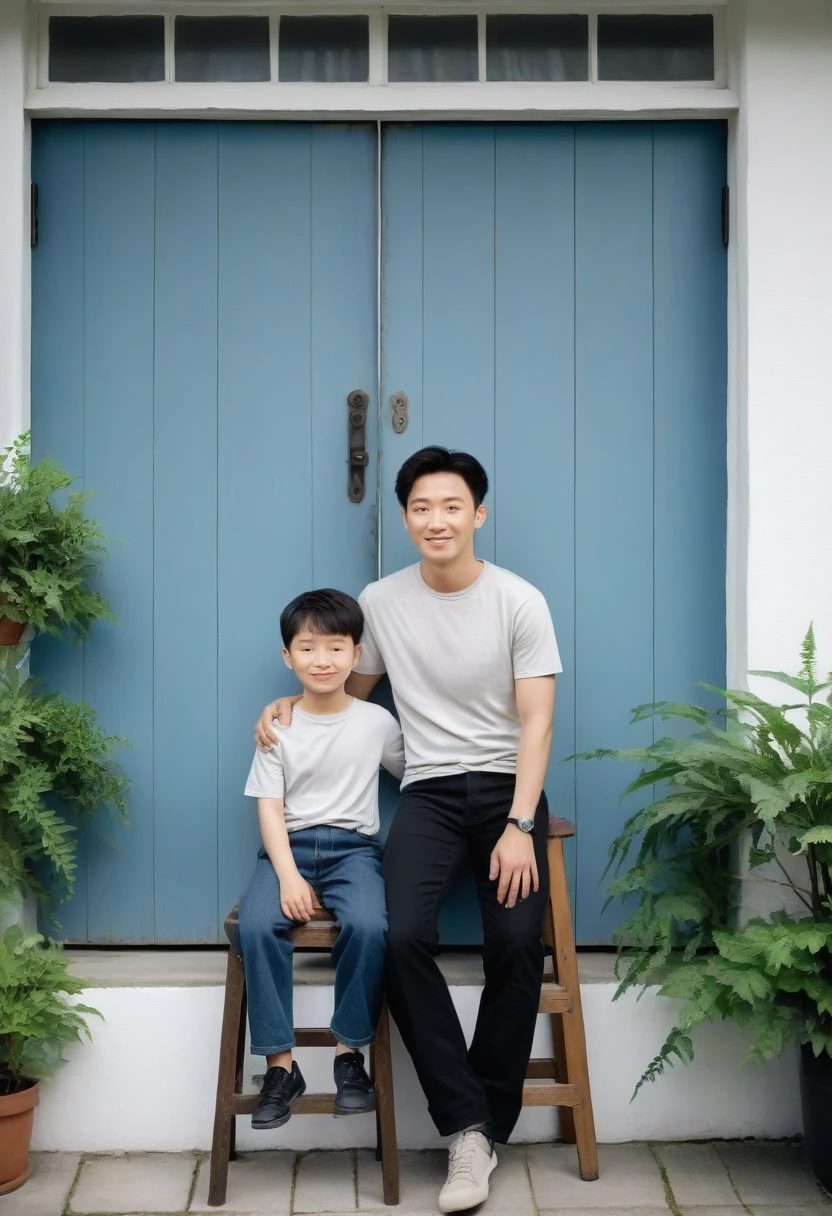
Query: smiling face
322,661
441,518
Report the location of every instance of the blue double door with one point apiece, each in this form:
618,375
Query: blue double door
206,296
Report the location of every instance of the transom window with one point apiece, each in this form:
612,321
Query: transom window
381,46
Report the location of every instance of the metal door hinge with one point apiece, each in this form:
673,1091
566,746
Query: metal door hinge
399,406
33,214
359,457
726,214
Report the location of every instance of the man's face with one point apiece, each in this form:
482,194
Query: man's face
322,661
441,517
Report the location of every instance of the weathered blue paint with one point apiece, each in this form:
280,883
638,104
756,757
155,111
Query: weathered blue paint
220,283
553,299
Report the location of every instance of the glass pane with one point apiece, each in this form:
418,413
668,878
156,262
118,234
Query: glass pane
432,48
106,48
222,48
324,48
529,47
656,48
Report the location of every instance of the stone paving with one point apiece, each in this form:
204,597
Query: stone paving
719,1179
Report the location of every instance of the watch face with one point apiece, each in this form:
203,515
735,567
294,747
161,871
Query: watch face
525,825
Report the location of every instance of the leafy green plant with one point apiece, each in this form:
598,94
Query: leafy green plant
36,1021
754,778
53,752
48,553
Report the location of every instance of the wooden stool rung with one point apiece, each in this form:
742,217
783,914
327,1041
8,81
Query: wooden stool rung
314,1036
551,1093
554,999
541,1067
309,1104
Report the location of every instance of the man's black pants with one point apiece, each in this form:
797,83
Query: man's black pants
437,823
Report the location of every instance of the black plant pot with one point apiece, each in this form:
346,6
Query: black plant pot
816,1102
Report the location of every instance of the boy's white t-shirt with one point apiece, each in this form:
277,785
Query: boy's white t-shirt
326,767
452,659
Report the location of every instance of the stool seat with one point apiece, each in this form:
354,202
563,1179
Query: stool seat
321,931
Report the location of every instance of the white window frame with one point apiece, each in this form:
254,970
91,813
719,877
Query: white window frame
377,14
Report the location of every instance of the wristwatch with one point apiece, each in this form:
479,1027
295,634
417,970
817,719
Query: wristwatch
525,825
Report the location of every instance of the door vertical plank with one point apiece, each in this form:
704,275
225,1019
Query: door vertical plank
401,324
118,429
185,532
58,393
343,352
691,374
458,350
613,483
458,308
535,398
265,444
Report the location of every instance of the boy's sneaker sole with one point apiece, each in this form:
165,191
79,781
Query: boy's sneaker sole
341,1112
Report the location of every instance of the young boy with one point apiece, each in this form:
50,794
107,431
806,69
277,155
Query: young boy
317,802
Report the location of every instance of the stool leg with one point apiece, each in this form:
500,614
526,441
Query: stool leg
385,1109
224,1110
566,1117
238,1071
574,1039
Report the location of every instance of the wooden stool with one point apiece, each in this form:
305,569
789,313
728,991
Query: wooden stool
320,931
565,1076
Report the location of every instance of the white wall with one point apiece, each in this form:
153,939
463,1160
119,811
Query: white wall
14,223
149,1078
786,191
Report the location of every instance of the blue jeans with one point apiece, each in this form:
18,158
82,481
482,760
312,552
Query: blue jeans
344,868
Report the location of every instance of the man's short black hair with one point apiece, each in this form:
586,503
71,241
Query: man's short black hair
326,611
441,460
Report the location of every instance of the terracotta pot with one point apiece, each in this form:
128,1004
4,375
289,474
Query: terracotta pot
17,1114
10,631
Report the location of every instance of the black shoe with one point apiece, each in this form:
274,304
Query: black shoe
280,1088
354,1089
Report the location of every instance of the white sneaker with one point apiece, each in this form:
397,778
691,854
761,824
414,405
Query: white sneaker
471,1161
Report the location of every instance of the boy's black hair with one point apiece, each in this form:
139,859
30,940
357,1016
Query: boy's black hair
441,460
324,611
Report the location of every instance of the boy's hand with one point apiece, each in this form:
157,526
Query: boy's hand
296,897
264,736
513,862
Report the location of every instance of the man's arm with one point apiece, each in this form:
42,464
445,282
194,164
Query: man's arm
357,686
513,860
536,709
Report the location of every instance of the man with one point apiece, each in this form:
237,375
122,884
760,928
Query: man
471,655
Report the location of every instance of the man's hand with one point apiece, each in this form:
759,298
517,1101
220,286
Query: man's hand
513,862
264,736
296,897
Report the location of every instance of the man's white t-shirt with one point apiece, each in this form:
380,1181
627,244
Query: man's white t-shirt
452,659
326,767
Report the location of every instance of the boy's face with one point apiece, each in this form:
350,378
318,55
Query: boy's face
322,661
441,518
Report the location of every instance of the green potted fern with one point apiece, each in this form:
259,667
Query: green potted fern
54,756
36,1024
750,790
54,760
49,549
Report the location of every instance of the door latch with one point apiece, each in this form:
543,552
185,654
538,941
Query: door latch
357,403
400,407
